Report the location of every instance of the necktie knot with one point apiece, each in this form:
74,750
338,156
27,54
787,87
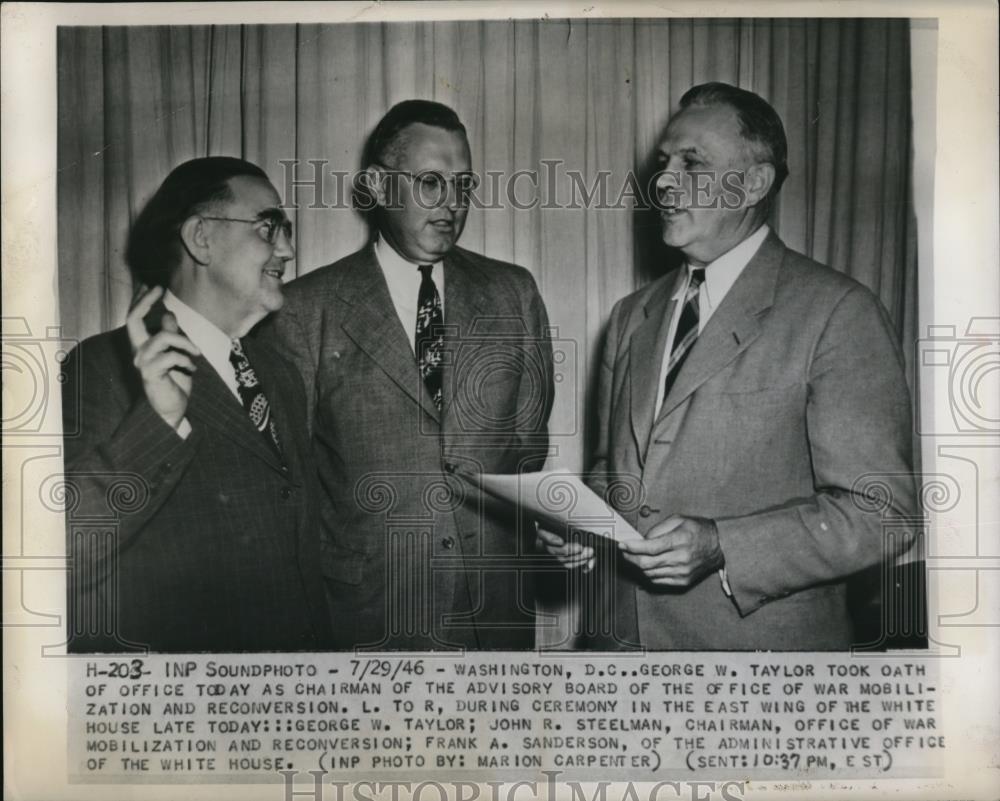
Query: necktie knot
426,270
697,276
245,375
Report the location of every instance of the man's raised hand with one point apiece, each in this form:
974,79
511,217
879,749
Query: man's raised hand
163,359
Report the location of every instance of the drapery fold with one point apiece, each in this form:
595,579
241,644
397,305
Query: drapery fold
592,95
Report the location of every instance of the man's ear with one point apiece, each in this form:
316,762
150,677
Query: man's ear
195,239
759,180
376,182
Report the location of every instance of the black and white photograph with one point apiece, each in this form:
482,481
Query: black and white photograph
743,453
459,381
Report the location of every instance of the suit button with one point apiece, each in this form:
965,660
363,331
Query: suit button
167,466
645,511
448,543
286,493
449,467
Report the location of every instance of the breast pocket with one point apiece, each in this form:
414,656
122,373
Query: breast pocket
759,417
764,448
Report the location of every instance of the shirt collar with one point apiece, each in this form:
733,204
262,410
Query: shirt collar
212,341
722,273
391,261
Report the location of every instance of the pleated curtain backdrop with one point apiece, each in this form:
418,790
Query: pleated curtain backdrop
591,95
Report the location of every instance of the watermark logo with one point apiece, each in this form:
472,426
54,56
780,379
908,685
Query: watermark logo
313,184
34,366
551,788
969,366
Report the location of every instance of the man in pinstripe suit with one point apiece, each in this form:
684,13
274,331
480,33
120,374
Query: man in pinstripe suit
217,546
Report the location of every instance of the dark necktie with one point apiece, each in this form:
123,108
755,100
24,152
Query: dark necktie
687,331
253,397
429,339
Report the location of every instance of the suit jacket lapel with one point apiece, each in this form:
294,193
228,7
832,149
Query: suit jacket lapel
375,328
646,347
465,303
289,433
213,405
734,325
268,374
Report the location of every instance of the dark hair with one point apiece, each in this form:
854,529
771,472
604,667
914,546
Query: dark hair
154,247
760,124
386,135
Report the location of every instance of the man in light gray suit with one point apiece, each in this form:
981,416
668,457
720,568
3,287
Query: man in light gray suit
750,392
422,360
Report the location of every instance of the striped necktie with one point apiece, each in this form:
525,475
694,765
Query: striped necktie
429,339
253,397
687,331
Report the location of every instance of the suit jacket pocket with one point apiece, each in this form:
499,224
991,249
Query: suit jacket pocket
342,564
771,419
763,452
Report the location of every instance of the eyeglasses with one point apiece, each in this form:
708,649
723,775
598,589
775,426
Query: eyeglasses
269,226
432,186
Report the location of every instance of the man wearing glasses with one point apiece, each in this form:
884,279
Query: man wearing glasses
216,544
422,361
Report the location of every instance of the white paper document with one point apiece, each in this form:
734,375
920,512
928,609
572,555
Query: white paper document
557,501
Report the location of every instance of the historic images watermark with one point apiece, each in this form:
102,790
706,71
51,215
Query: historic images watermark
551,789
313,184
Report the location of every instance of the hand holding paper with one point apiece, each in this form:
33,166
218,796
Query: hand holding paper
678,552
558,501
571,555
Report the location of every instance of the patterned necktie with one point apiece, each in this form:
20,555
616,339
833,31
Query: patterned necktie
253,397
429,339
687,331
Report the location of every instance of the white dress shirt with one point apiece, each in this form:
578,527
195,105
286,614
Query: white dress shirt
403,278
213,343
720,275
